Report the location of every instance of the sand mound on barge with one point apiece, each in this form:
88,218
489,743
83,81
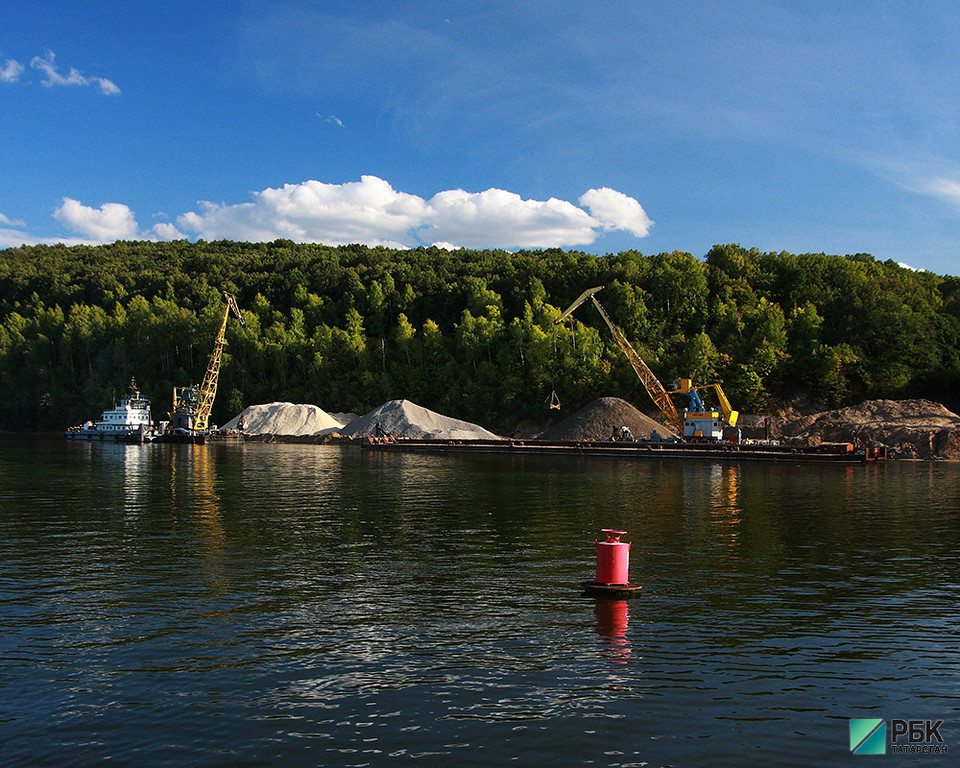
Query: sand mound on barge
603,418
287,419
910,429
401,418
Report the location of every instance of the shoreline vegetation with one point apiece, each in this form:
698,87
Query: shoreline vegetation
465,333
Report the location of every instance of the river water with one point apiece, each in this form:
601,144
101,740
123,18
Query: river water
245,605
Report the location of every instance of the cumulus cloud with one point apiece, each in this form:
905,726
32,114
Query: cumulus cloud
109,222
371,211
368,211
10,71
615,210
52,77
106,224
496,218
166,231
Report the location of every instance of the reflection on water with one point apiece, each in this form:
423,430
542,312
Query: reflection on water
305,605
725,507
612,619
193,485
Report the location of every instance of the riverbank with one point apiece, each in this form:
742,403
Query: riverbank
908,429
904,429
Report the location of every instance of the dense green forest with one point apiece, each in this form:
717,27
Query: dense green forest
466,333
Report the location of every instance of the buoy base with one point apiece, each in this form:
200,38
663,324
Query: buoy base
610,590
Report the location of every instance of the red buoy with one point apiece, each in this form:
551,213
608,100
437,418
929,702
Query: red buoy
613,567
613,558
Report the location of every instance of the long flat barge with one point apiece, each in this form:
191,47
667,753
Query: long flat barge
832,453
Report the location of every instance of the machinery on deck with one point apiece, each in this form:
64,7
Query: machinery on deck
697,421
192,405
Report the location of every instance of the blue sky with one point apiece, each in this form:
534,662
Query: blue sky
796,126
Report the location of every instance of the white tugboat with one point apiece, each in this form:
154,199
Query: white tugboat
128,422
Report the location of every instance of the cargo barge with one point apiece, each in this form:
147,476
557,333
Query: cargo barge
828,453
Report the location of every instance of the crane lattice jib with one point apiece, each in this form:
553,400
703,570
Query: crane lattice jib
208,390
653,386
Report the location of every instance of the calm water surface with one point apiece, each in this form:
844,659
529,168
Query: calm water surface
252,605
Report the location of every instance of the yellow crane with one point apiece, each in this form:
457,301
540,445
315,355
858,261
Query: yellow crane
654,388
192,405
685,387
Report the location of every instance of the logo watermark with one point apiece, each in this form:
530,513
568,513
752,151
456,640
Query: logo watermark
873,736
868,736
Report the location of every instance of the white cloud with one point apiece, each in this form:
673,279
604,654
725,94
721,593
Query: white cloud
107,87
166,231
496,218
106,224
930,175
49,68
945,189
11,222
14,238
109,222
47,65
332,119
616,210
370,211
10,71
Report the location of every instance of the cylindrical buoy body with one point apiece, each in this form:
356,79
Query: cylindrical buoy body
613,559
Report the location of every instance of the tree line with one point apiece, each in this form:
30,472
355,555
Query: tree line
467,333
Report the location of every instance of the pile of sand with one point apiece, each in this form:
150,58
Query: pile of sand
401,418
603,418
913,429
285,419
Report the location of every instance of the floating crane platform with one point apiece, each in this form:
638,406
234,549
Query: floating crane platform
827,453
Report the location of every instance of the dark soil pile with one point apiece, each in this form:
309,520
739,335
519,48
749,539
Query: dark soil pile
910,429
603,418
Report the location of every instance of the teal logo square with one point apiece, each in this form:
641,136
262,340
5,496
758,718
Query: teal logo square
868,736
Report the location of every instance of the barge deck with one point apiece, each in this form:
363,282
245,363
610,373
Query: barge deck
832,453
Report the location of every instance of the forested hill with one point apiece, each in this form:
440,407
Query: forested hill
466,333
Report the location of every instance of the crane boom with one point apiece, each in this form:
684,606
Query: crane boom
208,389
729,414
587,294
652,384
